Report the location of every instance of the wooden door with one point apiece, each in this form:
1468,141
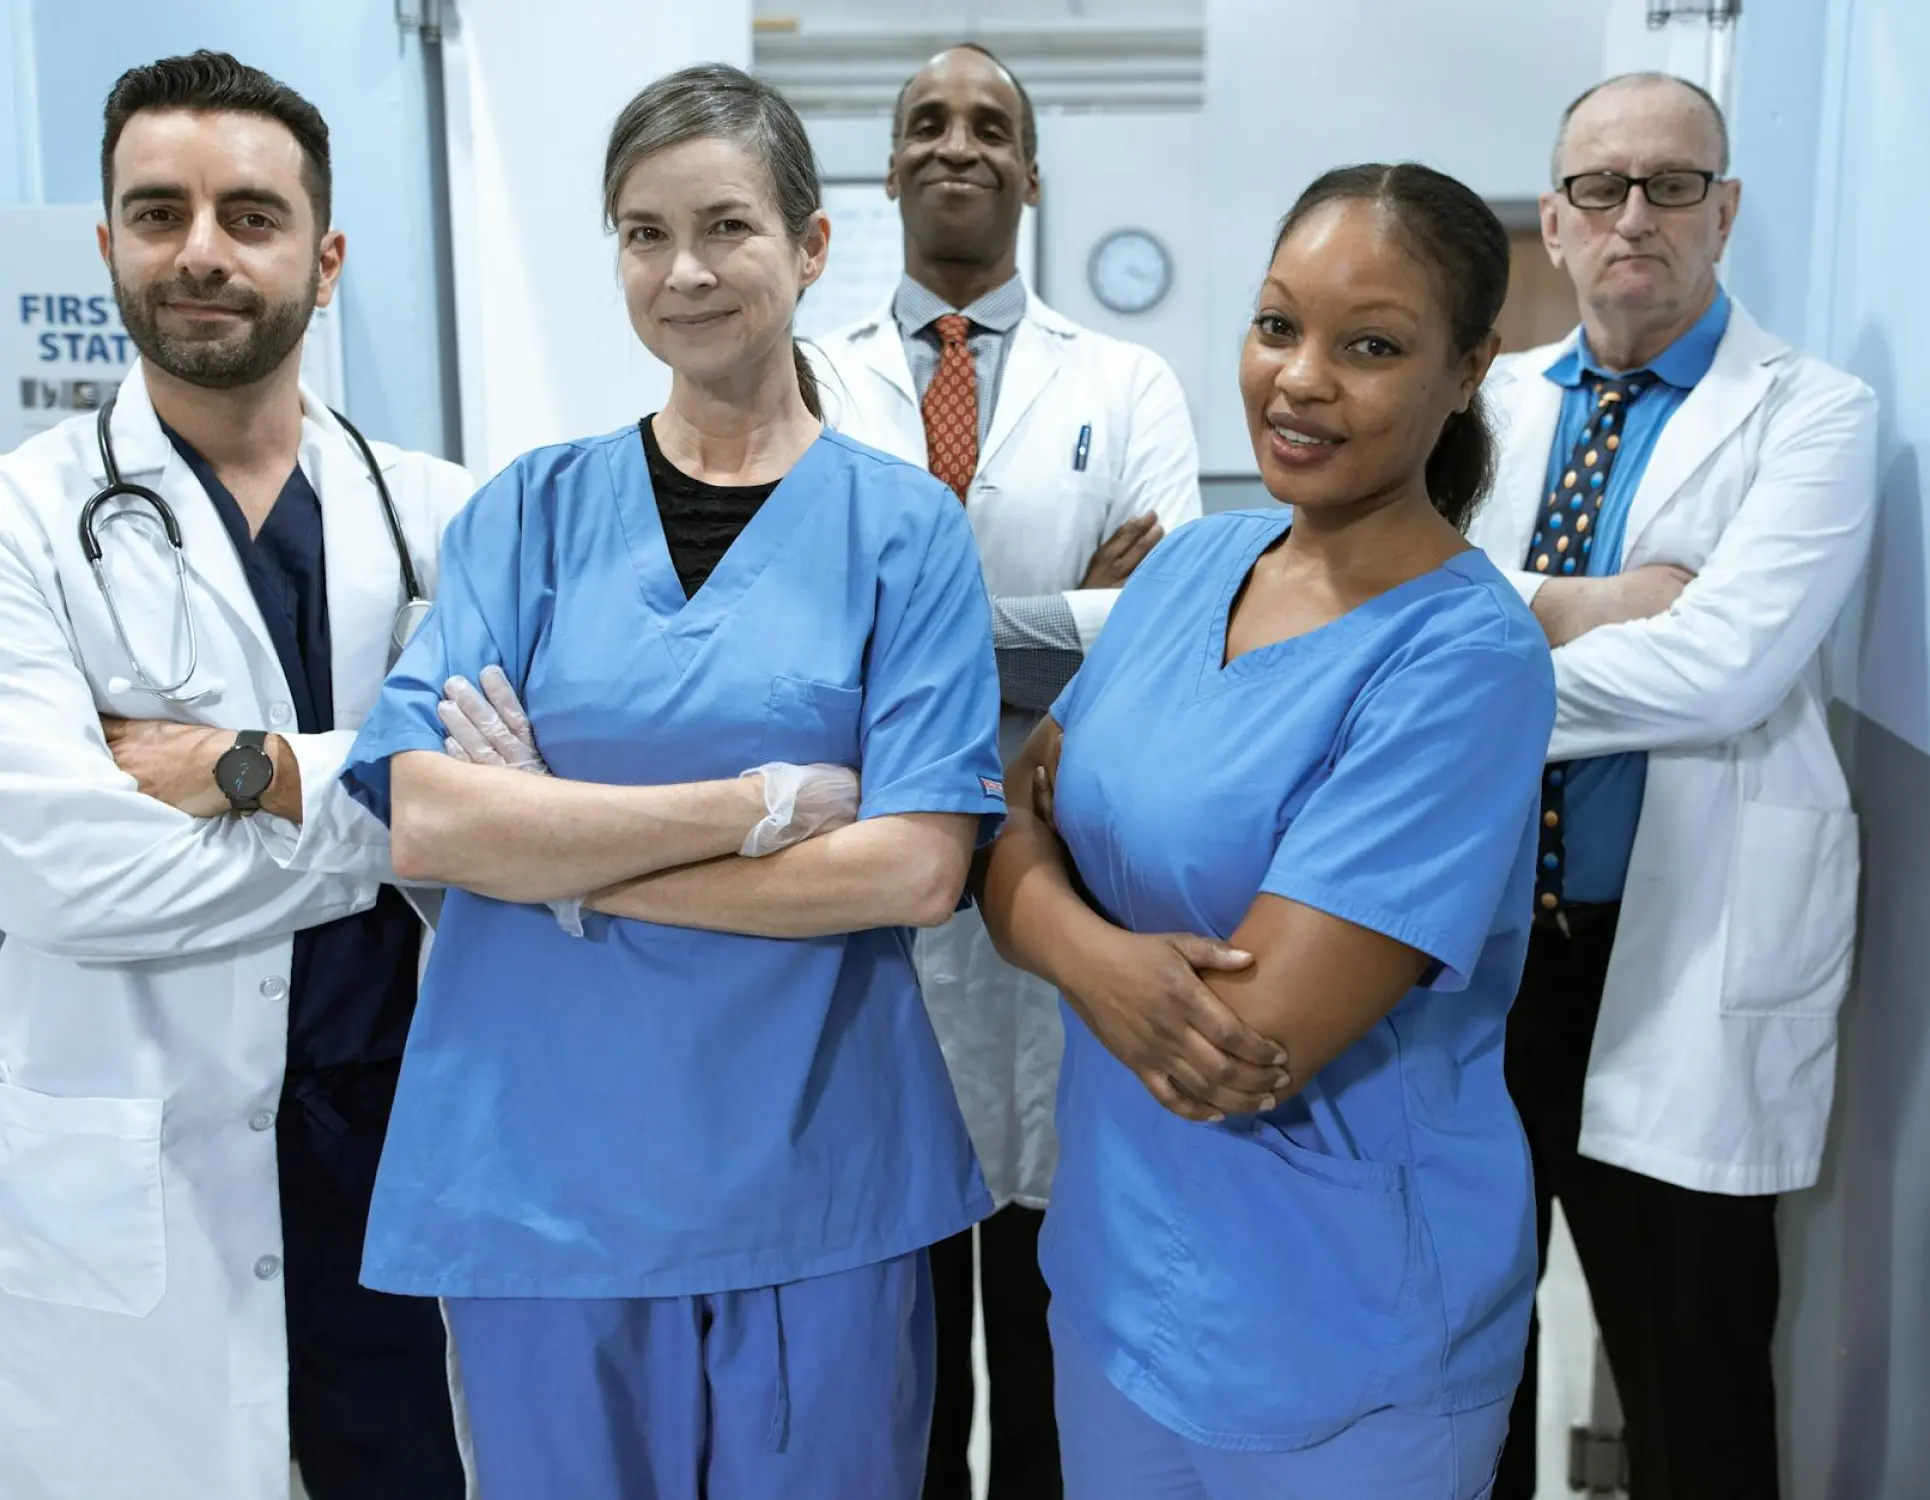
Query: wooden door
1541,302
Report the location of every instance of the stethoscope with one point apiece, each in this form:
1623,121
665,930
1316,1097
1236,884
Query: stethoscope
407,619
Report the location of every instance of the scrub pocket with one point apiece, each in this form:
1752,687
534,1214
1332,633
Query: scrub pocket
1309,1260
80,1201
812,723
1792,912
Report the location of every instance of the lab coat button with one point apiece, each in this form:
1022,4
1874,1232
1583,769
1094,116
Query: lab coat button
261,1119
274,988
280,713
268,1268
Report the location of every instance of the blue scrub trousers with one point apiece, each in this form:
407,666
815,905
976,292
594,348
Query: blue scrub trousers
815,1390
1112,1450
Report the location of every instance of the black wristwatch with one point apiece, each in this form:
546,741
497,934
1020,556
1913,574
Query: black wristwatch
246,771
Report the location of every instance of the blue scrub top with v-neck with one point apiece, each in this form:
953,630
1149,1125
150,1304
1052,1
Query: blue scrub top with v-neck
1264,1282
655,1111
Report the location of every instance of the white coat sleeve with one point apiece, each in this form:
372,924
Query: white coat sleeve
90,868
337,834
1742,633
1161,475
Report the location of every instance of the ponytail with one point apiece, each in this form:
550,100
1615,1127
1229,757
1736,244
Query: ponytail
807,381
1460,470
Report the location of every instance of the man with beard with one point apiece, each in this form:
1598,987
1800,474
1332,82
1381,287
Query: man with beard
1073,454
209,975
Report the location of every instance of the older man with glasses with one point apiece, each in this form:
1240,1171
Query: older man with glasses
1686,502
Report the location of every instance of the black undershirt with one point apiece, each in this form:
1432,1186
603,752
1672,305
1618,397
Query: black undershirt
700,520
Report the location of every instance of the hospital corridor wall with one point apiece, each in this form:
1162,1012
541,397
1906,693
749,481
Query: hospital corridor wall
366,75
1829,104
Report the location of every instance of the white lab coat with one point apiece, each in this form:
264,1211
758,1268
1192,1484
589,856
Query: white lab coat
1714,1058
144,981
1038,521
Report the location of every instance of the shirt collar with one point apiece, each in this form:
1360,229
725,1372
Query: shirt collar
1682,364
917,307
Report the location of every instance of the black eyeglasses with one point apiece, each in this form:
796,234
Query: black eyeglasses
1679,188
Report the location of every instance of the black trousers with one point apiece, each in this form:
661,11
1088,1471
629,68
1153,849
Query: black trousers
1018,1356
368,1391
1684,1283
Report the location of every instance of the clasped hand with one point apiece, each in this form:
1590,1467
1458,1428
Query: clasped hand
1144,996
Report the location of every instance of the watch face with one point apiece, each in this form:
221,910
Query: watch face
244,772
1130,271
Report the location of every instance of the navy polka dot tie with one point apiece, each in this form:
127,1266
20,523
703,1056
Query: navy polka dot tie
1564,538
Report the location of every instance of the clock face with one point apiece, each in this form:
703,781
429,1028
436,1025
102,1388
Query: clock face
1130,271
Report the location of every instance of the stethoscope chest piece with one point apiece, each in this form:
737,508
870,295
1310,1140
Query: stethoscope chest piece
408,620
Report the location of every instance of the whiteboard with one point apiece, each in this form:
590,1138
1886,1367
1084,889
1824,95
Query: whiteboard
868,257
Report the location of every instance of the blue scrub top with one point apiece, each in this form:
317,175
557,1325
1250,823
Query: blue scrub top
1263,1283
652,1111
351,982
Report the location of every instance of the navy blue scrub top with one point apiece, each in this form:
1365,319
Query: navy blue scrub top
353,981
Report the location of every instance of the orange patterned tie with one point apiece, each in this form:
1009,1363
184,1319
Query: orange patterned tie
951,408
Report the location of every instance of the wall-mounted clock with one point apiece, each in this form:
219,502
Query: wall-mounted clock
1129,271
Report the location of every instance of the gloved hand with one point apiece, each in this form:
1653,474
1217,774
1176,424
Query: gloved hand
490,729
801,802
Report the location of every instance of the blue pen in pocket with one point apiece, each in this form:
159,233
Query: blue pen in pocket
1082,449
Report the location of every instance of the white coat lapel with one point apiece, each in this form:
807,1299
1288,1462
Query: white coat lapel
881,351
1721,402
364,578
879,405
1029,366
145,456
1529,405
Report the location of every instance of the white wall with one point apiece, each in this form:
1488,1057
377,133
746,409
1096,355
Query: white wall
1473,87
1829,107
546,349
19,107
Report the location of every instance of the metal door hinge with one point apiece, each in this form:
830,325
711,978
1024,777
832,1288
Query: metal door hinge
1597,1462
426,18
1715,12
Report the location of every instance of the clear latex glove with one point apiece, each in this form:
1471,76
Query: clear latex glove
490,729
801,802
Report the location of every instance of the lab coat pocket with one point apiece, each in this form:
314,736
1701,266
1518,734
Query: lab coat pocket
1792,910
1084,516
813,723
80,1201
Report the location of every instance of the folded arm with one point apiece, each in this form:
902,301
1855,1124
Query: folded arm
91,867
906,870
1727,653
1318,983
515,837
1141,995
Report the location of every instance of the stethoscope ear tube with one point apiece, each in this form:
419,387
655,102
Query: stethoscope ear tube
411,588
407,619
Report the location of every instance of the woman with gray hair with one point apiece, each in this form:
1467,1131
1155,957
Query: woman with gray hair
673,1131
